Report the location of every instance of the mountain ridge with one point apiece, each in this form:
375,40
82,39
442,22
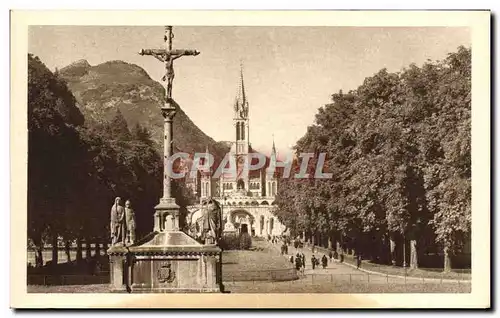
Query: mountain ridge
102,89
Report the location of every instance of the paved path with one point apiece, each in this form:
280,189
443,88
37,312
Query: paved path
333,267
336,271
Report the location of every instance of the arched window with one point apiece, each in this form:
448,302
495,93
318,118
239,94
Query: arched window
242,131
240,184
237,131
271,226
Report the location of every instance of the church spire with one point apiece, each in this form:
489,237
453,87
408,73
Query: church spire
241,103
274,147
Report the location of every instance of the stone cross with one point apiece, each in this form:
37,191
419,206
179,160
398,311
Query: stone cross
168,56
167,206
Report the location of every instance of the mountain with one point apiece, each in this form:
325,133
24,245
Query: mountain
102,89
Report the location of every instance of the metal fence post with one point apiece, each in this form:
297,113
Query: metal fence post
350,278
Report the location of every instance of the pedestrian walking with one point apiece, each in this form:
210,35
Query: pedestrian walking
298,263
324,261
291,259
358,260
341,257
313,262
335,255
330,255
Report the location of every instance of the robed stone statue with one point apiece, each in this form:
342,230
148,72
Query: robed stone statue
117,225
211,228
129,223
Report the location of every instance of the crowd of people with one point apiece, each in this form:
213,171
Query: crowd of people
299,259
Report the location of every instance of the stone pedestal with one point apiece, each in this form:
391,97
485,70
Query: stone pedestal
166,262
117,270
166,215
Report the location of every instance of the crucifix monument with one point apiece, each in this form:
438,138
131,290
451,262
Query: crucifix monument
167,212
166,260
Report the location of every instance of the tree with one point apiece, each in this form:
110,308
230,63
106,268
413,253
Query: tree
53,119
399,150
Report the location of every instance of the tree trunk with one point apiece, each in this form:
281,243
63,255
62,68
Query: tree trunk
67,250
97,249
79,253
88,249
55,251
413,254
447,259
330,239
392,251
39,254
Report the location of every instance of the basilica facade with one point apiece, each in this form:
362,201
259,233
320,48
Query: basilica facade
247,197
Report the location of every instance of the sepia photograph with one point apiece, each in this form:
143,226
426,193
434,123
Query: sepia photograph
252,159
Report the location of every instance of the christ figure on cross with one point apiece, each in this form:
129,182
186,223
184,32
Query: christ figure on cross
168,56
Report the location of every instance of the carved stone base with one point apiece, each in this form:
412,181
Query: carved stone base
166,262
118,271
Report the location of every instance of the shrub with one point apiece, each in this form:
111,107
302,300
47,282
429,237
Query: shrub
233,241
230,242
245,241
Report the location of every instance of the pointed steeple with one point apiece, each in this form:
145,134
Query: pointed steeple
241,103
274,146
274,155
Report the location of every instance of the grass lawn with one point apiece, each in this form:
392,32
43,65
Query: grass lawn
69,289
262,256
261,262
400,271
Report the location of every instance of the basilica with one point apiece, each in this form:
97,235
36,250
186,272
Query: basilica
247,197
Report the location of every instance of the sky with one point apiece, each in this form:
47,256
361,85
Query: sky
289,72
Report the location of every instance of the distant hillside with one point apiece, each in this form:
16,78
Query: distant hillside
101,89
